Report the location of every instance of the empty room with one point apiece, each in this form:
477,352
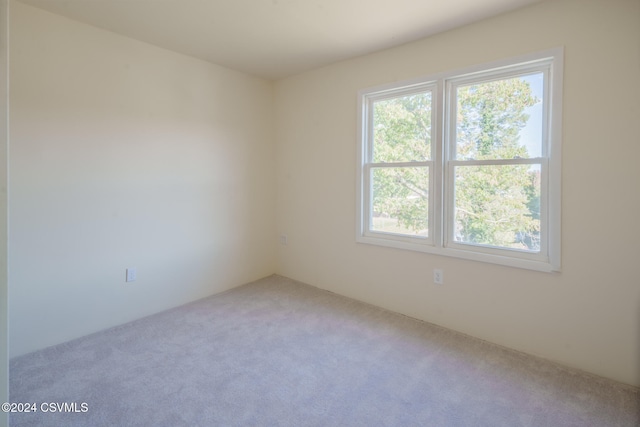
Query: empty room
320,213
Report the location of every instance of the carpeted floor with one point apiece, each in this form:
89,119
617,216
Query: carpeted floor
280,353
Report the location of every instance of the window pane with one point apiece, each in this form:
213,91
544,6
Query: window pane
402,128
400,200
500,119
498,206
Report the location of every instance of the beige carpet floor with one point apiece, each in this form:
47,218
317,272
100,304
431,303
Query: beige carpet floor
277,352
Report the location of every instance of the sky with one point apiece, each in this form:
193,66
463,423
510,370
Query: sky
531,134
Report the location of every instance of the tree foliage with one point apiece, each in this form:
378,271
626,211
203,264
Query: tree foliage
402,129
496,205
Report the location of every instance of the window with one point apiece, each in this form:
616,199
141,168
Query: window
466,164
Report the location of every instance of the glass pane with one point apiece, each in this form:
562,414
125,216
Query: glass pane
402,128
498,206
500,119
400,200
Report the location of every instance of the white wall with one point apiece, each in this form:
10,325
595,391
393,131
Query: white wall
586,317
4,134
126,155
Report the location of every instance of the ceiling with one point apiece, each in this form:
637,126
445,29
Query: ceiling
277,38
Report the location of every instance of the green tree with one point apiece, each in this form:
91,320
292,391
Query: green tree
402,129
495,205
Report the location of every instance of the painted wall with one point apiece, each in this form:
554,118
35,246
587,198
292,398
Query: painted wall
127,155
587,316
4,136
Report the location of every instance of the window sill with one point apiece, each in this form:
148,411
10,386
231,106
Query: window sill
540,264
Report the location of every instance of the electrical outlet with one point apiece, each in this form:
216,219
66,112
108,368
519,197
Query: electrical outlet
438,276
132,274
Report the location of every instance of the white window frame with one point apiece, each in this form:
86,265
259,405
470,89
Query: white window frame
441,164
368,167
